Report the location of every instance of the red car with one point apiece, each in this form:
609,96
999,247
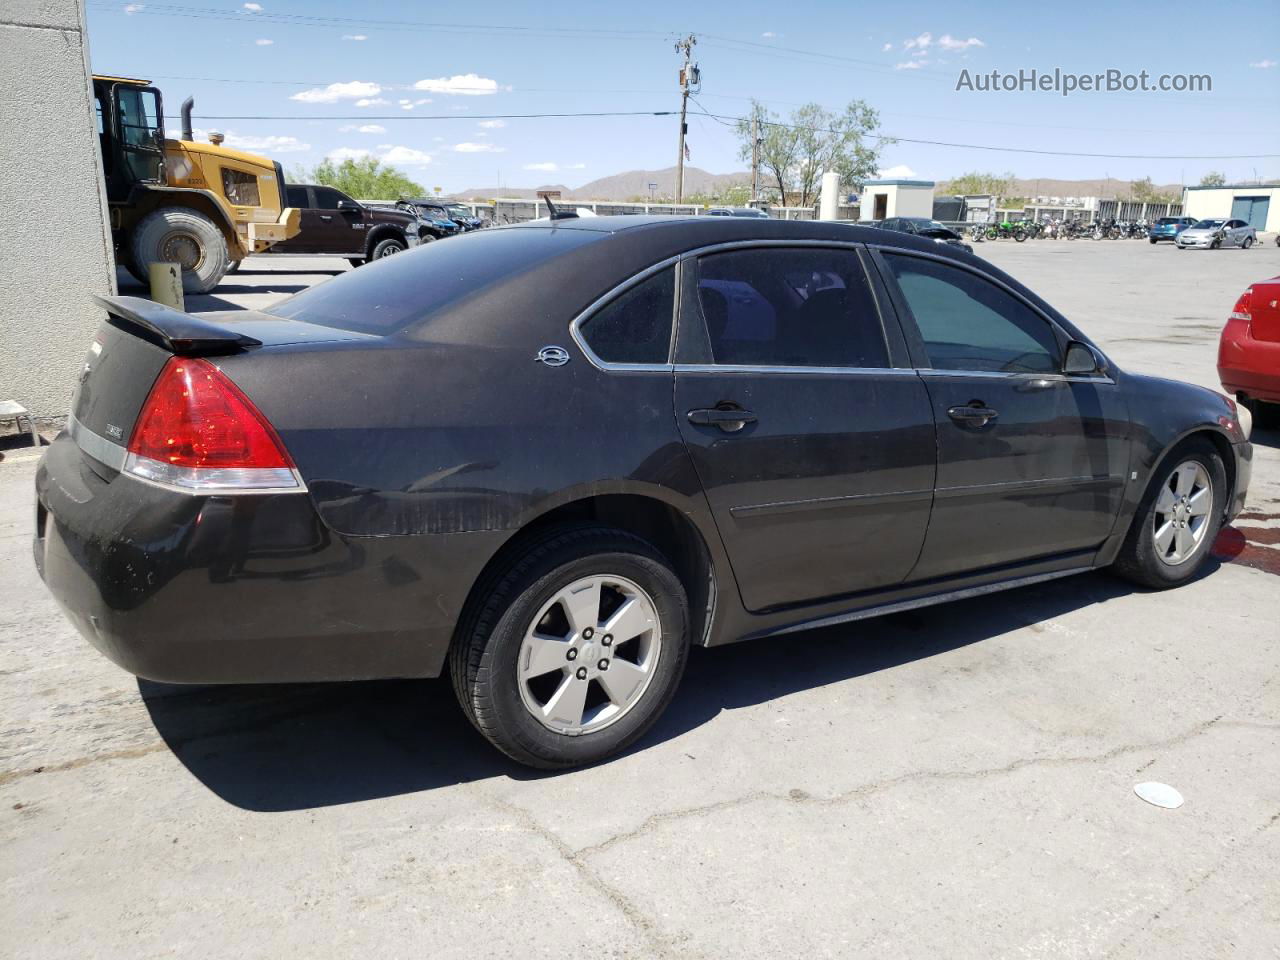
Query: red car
1249,350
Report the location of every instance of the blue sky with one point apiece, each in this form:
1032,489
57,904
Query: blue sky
457,61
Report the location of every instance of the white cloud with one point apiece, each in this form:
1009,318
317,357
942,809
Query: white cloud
338,91
354,36
253,7
268,145
900,172
477,148
467,84
493,124
347,153
131,8
768,35
263,42
948,42
886,48
405,157
372,102
544,167
438,139
1263,64
576,166
406,104
362,128
909,65
921,42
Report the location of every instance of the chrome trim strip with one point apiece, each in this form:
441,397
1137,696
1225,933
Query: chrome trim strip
1068,484
929,601
1012,375
100,448
819,503
748,368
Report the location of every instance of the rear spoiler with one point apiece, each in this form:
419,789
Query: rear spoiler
179,332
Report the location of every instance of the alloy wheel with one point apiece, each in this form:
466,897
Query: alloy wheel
589,654
1182,513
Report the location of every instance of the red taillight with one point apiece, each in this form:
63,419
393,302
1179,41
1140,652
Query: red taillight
199,433
1241,310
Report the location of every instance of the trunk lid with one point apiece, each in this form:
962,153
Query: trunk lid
1264,310
132,346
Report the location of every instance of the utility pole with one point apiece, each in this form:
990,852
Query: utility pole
755,157
686,46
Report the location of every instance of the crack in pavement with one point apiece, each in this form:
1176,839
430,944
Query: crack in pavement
659,944
657,820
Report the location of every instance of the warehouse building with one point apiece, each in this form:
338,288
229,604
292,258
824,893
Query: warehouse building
1255,204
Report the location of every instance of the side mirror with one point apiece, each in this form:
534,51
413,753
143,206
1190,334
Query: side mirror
1080,360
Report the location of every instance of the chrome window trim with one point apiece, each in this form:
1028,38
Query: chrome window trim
765,368
576,324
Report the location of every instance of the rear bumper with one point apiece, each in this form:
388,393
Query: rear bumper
245,589
1249,366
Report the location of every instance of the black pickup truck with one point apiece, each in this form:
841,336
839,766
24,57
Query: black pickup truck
334,225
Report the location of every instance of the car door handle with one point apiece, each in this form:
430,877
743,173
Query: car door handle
973,414
728,419
325,216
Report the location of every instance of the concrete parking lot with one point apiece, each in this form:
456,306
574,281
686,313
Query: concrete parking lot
950,783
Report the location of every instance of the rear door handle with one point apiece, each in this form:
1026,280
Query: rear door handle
728,419
325,216
974,414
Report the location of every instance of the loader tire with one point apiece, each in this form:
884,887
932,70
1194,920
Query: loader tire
185,237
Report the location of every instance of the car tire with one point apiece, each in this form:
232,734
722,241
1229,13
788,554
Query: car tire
387,248
1246,243
1158,560
188,237
356,261
1153,241
498,635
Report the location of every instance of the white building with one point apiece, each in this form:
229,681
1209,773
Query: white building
1257,205
881,199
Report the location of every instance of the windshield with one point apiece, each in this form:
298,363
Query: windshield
1210,224
1166,221
457,210
392,294
930,225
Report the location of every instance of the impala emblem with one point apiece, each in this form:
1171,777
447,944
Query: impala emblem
553,356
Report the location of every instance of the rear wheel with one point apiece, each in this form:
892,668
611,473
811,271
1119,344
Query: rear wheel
1178,519
1248,242
575,651
185,237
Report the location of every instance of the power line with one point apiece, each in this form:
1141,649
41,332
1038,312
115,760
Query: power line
442,116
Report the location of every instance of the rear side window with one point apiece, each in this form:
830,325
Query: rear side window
789,307
636,326
298,197
969,323
407,290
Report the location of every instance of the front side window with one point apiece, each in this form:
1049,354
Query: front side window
139,110
240,188
328,198
789,307
969,323
636,326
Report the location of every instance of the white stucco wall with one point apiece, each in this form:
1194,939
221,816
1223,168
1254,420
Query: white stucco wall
1202,203
55,246
901,200
914,202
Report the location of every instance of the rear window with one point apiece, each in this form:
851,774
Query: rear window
392,294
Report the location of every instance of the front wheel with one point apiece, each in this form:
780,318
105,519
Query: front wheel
387,248
575,651
1019,235
1177,520
1153,241
185,237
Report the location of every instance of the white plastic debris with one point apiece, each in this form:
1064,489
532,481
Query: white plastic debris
1159,794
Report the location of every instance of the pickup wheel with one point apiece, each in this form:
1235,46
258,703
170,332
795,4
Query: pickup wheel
185,237
387,248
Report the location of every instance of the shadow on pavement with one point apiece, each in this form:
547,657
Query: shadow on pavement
289,747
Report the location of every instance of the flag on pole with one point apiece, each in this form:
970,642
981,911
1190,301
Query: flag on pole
686,152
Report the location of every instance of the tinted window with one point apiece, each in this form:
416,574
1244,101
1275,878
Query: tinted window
969,323
297,197
392,294
792,307
327,198
636,327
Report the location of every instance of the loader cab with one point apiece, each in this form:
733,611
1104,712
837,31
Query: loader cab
130,118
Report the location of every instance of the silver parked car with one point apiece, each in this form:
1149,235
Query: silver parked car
1212,234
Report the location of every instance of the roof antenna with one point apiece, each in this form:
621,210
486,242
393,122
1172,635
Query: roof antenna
557,214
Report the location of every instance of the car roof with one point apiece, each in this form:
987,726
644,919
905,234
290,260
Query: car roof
714,228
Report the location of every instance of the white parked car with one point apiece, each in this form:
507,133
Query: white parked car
1212,234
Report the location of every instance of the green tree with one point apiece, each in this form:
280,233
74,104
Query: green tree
1213,179
980,184
1144,191
796,152
365,178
